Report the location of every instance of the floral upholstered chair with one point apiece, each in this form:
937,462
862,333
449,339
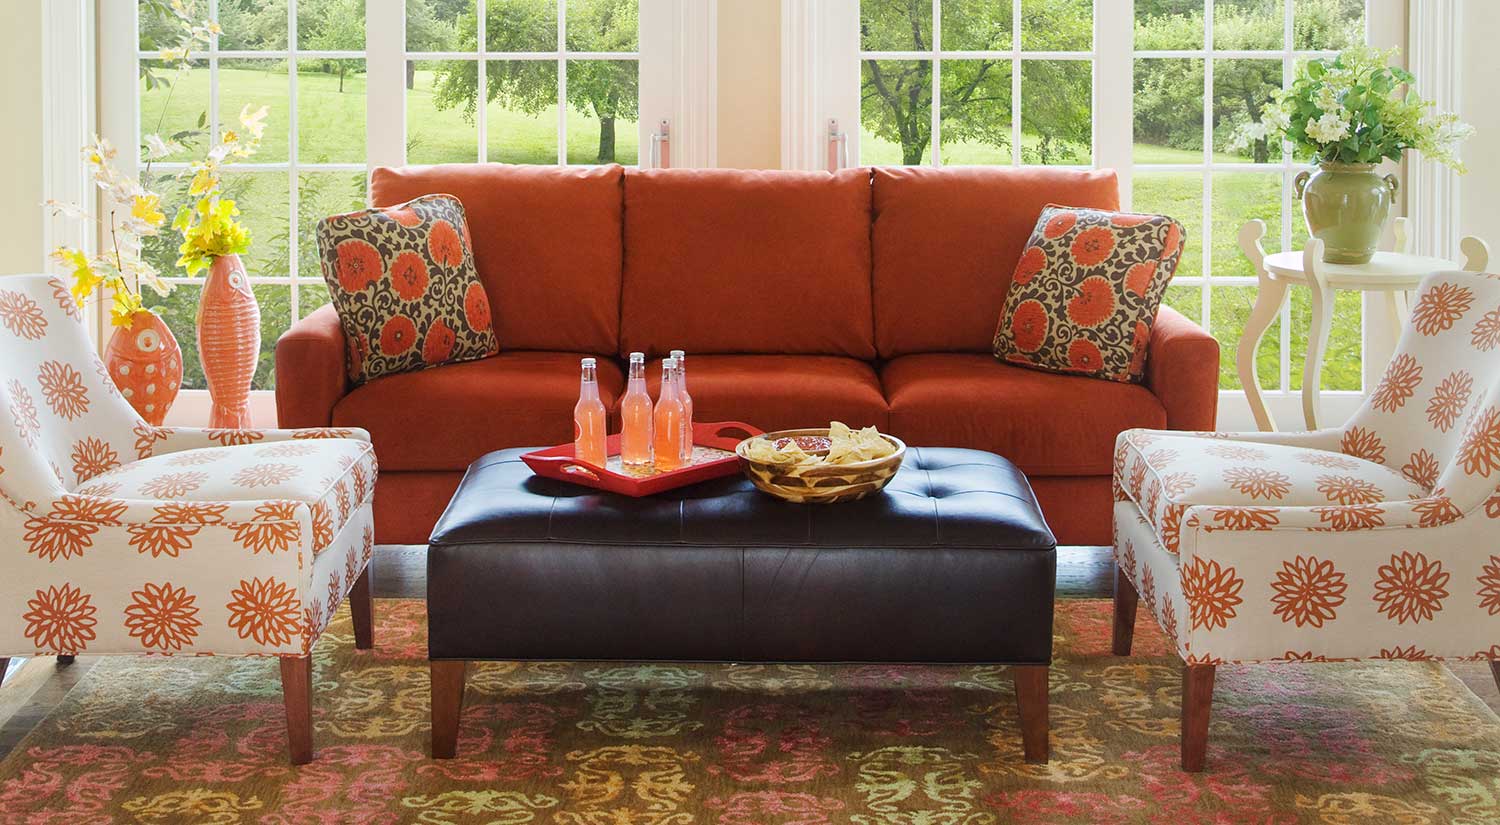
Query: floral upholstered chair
119,537
1380,539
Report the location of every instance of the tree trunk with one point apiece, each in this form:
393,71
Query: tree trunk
341,78
913,153
606,140
411,75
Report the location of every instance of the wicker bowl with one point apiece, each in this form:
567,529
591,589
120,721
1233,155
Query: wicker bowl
820,484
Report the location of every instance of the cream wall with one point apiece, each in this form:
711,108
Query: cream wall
750,84
21,139
1480,106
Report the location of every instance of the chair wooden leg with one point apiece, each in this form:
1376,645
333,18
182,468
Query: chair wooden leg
1126,599
447,705
4,663
1495,671
1031,699
296,692
65,660
1197,698
361,607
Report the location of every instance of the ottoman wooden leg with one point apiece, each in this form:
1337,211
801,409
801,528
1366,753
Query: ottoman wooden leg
296,692
361,610
1197,698
1495,671
1031,698
1126,599
447,705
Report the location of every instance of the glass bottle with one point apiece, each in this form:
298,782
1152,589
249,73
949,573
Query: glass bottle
588,418
668,420
635,416
687,406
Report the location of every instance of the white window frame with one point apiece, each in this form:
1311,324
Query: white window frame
677,59
820,63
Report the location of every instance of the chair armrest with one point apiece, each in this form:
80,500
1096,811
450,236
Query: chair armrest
155,441
310,375
1182,370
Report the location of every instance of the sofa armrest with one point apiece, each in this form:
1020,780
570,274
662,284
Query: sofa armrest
310,376
1182,369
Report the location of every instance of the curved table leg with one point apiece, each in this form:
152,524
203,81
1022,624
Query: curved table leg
1268,303
1317,333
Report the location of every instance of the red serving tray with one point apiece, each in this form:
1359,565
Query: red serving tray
713,457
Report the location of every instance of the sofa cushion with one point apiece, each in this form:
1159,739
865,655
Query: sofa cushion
945,242
546,244
403,281
1086,290
445,417
781,392
1048,424
737,261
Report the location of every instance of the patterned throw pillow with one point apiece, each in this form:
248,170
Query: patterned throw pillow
403,281
1086,291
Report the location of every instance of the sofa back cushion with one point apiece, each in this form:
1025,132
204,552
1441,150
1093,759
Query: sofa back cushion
946,241
546,244
738,261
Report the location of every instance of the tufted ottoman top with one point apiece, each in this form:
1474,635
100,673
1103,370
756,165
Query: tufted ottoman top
941,497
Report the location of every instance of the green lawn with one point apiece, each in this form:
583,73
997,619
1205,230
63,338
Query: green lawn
332,129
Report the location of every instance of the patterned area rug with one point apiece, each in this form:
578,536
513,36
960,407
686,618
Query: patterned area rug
201,740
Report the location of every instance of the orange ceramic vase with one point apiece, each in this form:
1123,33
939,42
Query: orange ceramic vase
146,364
228,342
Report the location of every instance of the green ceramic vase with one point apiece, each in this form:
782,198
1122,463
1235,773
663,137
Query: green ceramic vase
1345,205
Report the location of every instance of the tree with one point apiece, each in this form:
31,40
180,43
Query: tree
608,90
341,28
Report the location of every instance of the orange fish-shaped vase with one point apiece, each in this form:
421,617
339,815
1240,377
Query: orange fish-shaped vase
228,342
146,364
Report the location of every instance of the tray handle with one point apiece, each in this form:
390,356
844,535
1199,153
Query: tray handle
567,465
732,433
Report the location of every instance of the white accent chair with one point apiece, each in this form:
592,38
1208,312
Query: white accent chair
124,538
1378,539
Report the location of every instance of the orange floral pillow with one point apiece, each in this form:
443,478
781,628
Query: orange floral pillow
403,281
1086,290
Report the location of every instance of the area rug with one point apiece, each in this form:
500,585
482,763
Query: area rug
202,740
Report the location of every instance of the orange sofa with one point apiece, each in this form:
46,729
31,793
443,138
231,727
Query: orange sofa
868,296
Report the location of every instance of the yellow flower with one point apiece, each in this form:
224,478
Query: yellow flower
85,279
125,307
254,122
145,208
203,181
230,136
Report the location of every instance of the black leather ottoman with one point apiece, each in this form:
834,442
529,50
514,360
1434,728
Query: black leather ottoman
951,563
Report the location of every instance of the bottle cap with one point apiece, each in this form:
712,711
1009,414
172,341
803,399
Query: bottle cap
669,363
589,362
637,357
679,355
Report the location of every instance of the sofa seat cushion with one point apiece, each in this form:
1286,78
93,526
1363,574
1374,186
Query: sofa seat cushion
780,392
444,418
1048,424
333,476
1244,482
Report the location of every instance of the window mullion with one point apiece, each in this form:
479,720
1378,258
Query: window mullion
1113,92
1015,83
562,82
385,83
481,86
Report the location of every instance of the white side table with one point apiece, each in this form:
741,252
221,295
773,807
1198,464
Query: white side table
1393,273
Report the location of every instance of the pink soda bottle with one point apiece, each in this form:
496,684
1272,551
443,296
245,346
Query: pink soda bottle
588,418
668,420
635,416
687,406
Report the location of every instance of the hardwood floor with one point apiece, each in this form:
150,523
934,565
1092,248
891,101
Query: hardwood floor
33,687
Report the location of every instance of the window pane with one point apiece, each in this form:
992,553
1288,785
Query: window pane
320,194
1241,87
311,296
895,111
160,250
1328,24
1242,25
172,102
1342,361
262,198
1168,24
257,83
522,111
1239,197
440,25
895,25
180,311
603,106
158,27
1168,111
520,25
975,27
976,125
1057,25
603,25
1056,111
1186,299
329,25
275,317
440,124
331,111
1231,306
1178,195
252,26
